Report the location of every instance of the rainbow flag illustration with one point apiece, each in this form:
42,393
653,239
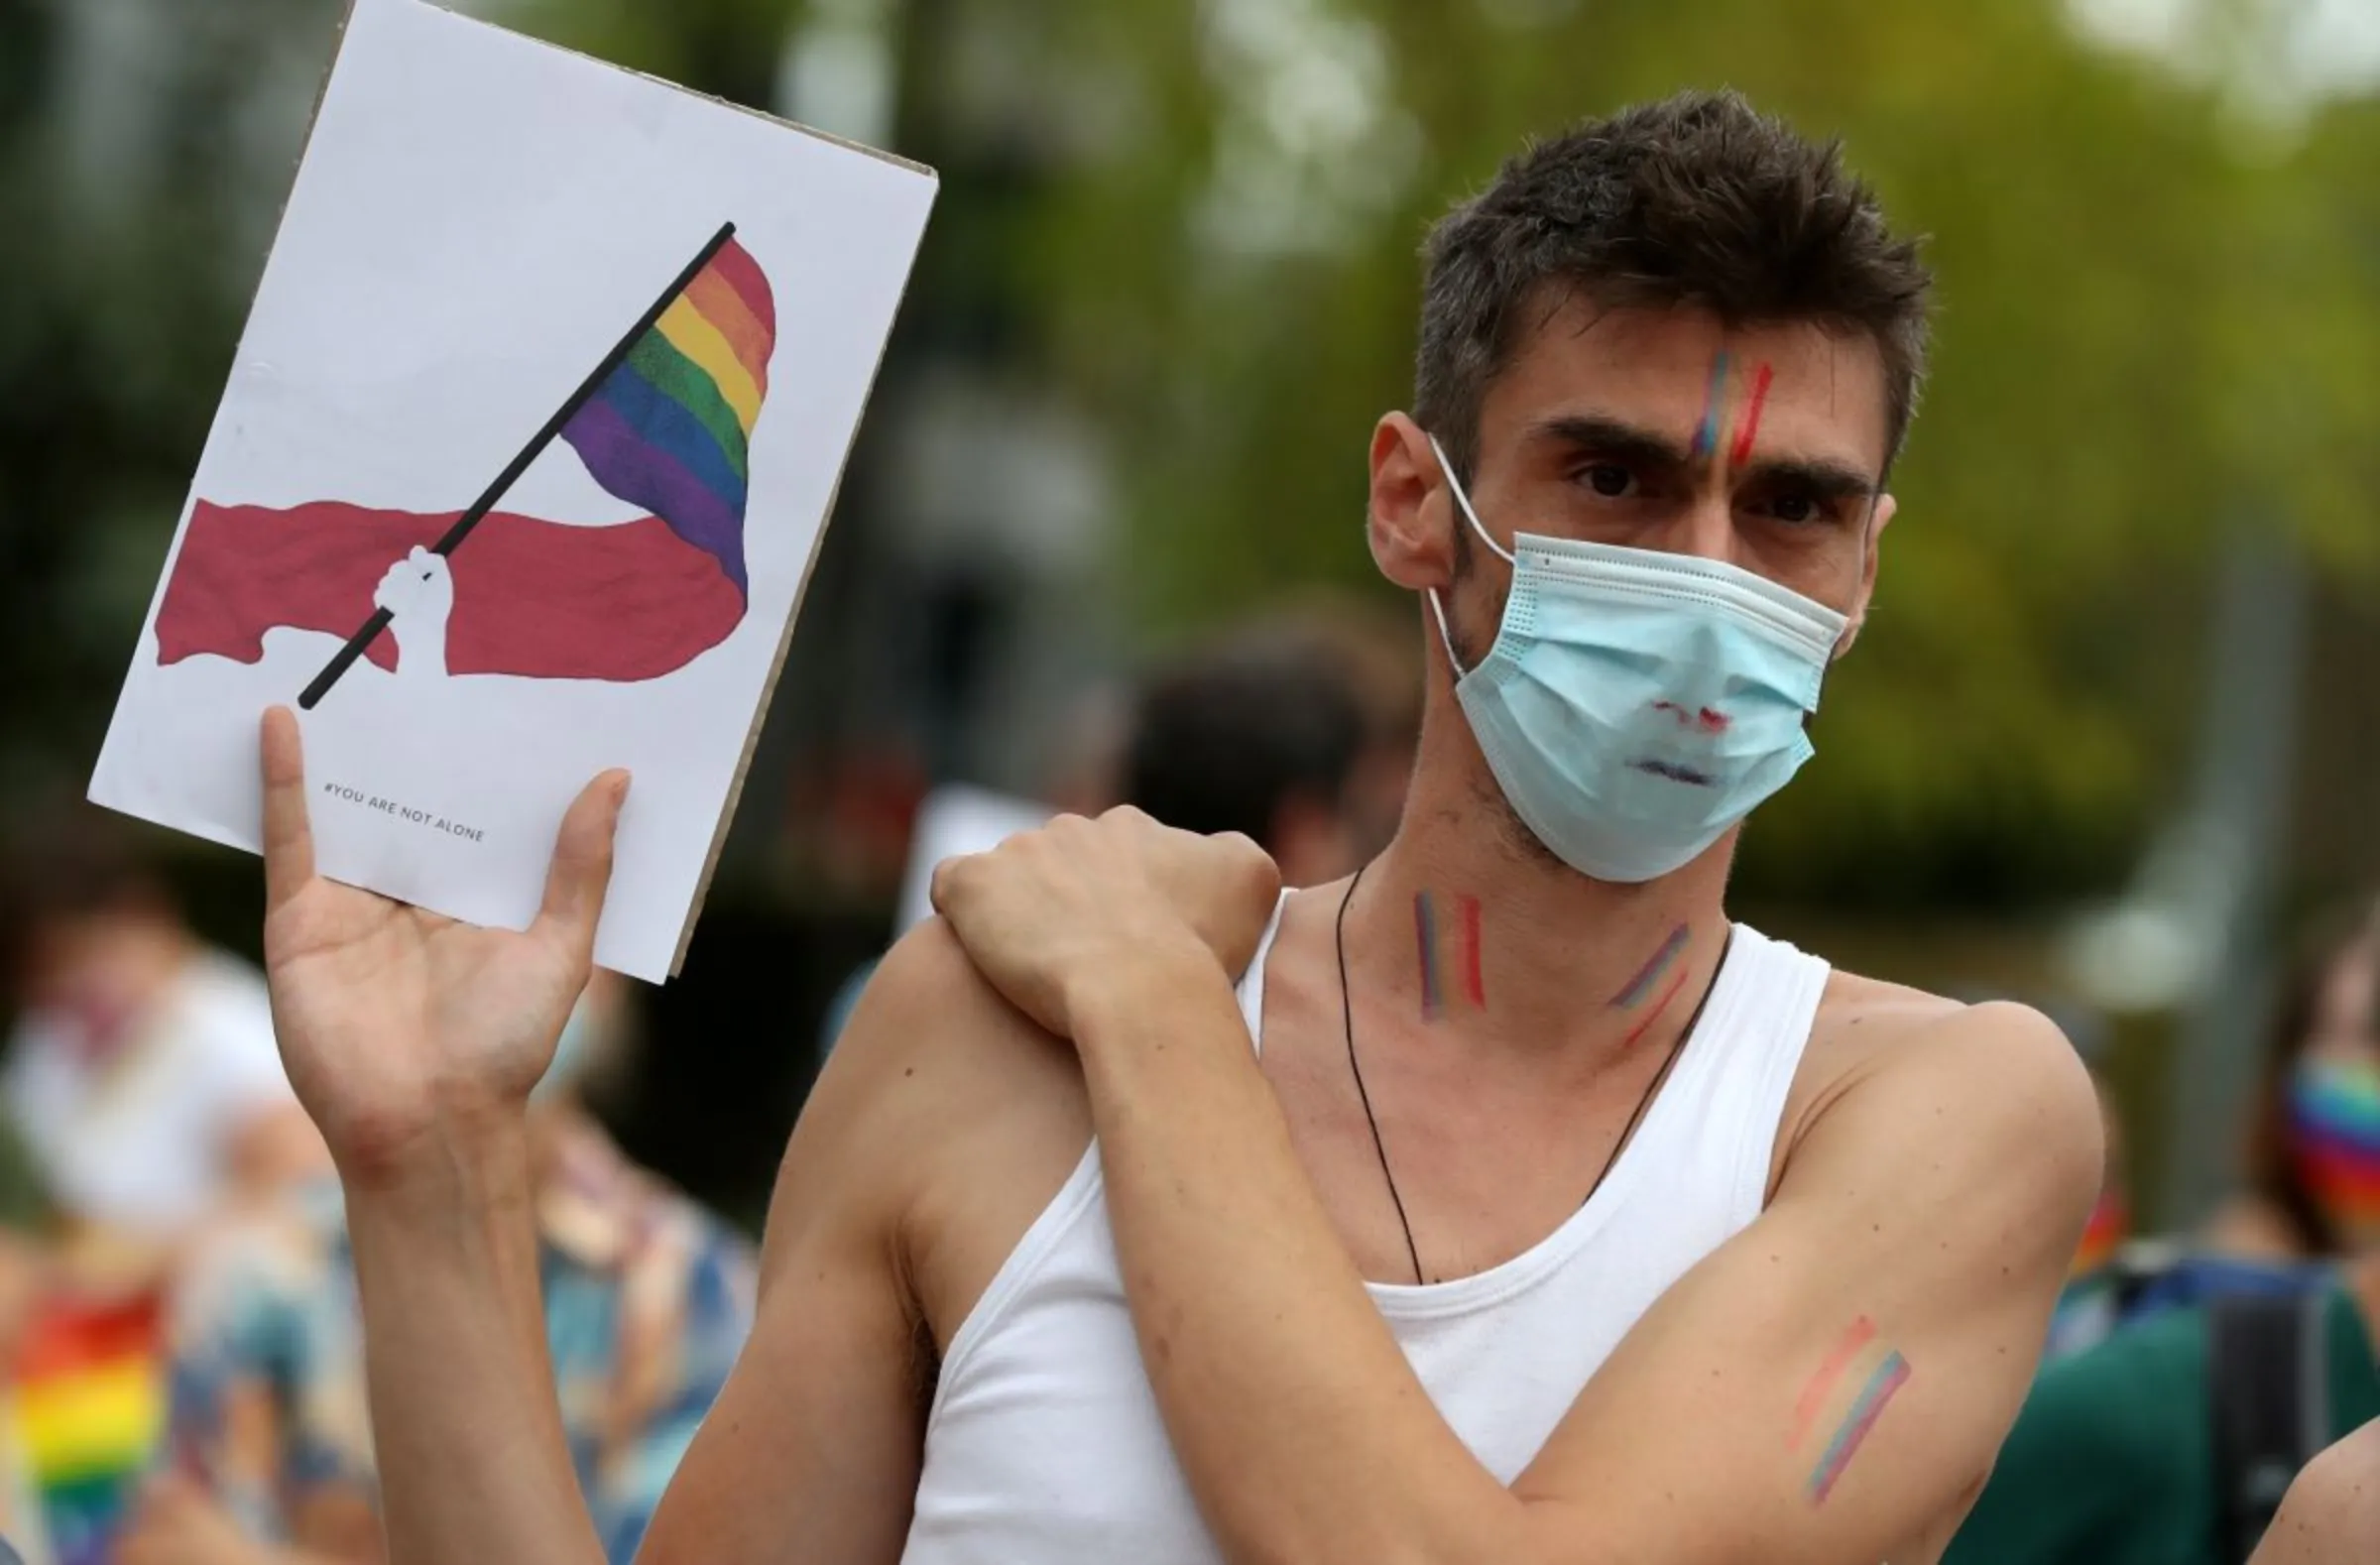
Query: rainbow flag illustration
665,421
670,427
86,1414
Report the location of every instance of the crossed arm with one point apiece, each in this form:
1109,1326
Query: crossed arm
1829,1385
1826,1386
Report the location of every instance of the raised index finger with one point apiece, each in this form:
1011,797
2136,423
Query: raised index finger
288,840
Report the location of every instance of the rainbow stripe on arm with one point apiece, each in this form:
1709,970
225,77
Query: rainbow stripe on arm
1879,1371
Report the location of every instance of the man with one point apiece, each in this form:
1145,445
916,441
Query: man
143,1080
1364,650
1264,733
1559,1219
646,1304
1260,736
141,1074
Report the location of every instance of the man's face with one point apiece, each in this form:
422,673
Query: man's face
1762,447
96,972
1661,430
2347,1016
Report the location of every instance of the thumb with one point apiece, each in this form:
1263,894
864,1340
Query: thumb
581,871
949,882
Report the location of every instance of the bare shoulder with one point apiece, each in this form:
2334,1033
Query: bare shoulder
943,1121
1989,1094
2331,1515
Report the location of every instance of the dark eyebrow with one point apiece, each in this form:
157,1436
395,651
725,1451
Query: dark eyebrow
1829,480
1594,434
1585,432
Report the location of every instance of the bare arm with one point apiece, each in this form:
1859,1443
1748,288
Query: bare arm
1829,1385
473,1462
810,1453
413,1043
2332,1514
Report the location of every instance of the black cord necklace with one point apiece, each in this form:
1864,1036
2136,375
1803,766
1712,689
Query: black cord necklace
1347,1015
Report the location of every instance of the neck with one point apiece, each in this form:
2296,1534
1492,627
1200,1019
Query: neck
1493,942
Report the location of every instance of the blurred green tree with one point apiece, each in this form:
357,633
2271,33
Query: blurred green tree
1197,221
2154,320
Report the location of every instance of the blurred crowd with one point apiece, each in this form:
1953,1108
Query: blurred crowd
184,1376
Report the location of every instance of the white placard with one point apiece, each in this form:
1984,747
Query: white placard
481,222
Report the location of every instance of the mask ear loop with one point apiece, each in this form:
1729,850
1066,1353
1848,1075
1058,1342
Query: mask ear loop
1454,485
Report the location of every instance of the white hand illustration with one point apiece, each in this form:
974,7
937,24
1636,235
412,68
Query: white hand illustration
419,593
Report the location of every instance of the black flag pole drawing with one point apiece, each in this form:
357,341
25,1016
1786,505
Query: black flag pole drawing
710,363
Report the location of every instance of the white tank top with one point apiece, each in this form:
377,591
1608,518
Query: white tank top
1044,1445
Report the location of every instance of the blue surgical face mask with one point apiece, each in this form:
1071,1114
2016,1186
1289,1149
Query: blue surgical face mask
1637,704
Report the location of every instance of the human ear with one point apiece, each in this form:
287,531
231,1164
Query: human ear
1407,520
1880,517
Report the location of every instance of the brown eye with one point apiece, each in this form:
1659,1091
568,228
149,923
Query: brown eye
1609,479
1793,508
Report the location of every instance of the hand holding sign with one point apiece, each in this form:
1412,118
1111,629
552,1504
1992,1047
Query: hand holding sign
601,345
397,1025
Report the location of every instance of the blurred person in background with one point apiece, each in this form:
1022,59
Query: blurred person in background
145,1087
1272,731
2313,1177
141,1074
1371,648
1263,736
647,1301
2169,1432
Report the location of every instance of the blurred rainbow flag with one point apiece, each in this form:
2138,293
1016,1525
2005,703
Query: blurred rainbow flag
87,1413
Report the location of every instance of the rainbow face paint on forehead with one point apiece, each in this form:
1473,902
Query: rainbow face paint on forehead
1715,408
2334,1115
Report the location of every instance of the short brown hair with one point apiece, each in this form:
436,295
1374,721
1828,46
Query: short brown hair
63,861
1697,201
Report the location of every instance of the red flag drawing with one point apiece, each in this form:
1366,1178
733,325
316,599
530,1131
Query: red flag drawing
663,422
632,601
